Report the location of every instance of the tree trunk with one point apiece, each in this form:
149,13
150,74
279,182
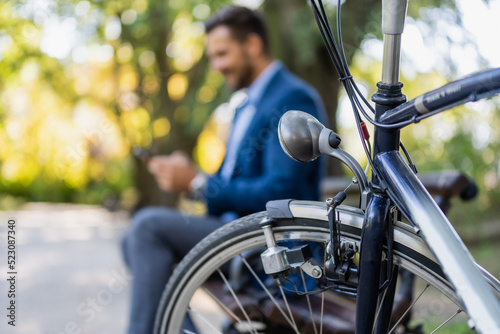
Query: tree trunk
149,193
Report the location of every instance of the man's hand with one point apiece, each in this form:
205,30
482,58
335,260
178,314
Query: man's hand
173,172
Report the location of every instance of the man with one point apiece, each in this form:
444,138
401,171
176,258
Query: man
255,169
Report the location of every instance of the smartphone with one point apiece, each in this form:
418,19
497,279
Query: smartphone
141,153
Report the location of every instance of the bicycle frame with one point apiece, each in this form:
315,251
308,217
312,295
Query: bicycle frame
397,182
418,206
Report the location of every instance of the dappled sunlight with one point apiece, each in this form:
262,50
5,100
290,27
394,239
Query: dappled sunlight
186,46
83,82
128,78
136,123
211,146
177,86
161,127
210,150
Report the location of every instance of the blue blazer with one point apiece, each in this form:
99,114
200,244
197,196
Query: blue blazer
263,171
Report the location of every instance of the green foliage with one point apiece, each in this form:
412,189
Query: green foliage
68,120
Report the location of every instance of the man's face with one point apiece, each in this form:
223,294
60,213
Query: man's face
229,56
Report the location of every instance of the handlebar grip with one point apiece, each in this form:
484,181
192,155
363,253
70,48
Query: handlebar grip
471,88
470,191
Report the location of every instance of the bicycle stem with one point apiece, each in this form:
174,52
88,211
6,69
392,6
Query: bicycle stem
392,55
389,94
393,19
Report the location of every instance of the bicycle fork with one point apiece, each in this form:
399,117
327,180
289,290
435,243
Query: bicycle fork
369,302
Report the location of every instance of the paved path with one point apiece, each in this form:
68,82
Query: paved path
70,275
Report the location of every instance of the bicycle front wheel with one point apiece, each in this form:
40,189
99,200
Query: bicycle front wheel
203,284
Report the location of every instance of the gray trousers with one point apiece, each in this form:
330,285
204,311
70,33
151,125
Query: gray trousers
158,239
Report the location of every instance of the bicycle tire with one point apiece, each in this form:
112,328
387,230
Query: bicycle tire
410,253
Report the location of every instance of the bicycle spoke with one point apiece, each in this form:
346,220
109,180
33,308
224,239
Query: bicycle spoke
199,315
280,309
448,320
288,308
237,300
409,308
378,310
221,304
308,301
322,312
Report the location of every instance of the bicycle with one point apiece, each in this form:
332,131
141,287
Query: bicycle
326,267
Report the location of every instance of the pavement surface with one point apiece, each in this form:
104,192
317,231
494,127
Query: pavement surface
68,274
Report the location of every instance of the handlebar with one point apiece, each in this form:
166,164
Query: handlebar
472,88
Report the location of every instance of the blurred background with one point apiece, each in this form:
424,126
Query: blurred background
84,82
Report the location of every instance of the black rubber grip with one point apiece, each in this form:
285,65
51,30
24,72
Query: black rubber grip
471,88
